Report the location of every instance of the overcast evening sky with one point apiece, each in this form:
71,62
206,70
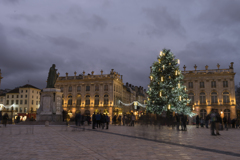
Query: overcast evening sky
124,35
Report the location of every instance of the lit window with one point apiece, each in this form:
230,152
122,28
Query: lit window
201,84
225,83
96,102
87,88
70,89
191,97
213,84
97,88
202,98
214,97
87,101
69,100
105,87
78,88
226,97
105,99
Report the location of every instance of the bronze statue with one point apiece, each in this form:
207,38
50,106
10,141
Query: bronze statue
52,77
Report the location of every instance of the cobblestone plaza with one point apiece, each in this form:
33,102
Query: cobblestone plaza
119,142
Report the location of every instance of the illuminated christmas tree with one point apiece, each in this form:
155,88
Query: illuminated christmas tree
166,91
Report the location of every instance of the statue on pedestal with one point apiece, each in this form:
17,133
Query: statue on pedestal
52,77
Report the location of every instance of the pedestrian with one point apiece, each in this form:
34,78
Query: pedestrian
114,119
213,119
184,123
225,122
123,120
201,121
133,120
98,118
107,121
103,120
197,121
207,120
93,120
119,120
177,120
76,119
217,122
5,119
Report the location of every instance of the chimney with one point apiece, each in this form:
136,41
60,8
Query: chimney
127,84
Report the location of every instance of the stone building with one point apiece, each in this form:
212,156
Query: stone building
95,93
22,101
211,89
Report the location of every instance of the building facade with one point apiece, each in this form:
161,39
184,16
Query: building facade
94,93
22,101
211,89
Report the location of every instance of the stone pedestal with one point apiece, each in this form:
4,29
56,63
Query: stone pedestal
50,106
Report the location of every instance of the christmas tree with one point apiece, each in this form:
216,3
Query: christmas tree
166,91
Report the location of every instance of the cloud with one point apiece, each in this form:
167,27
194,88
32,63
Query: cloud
65,42
224,14
162,22
28,18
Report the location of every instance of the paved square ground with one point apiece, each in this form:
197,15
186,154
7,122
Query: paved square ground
119,142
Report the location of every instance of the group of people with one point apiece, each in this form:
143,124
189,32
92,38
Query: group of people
128,120
100,120
181,121
80,119
216,122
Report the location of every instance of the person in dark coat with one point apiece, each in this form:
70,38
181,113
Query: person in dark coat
218,122
93,120
103,120
207,120
5,119
107,121
225,122
197,121
177,120
184,121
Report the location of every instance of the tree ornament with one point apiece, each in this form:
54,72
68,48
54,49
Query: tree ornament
176,73
161,53
163,67
161,79
160,94
169,106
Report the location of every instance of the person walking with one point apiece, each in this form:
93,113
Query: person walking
184,123
93,120
114,119
107,121
123,120
207,120
225,122
5,119
98,118
119,120
133,120
213,119
177,120
197,121
103,120
217,122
